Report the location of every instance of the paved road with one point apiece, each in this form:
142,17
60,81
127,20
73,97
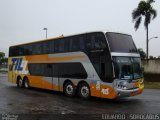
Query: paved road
15,100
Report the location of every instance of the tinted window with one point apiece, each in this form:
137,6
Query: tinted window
90,41
36,48
103,67
96,41
36,69
70,43
72,70
61,45
14,51
46,47
48,69
82,42
28,49
121,43
10,51
56,46
63,70
20,50
67,43
56,70
51,43
101,42
75,43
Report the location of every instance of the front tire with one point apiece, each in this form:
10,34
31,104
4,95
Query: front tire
84,91
69,89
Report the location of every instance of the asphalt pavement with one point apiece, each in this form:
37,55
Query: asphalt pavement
39,104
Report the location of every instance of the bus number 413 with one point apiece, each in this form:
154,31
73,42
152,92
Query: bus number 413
105,91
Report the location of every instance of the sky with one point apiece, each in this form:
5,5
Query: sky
22,21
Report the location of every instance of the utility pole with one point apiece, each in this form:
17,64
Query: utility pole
46,32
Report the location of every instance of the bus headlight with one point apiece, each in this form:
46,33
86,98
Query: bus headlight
123,85
125,88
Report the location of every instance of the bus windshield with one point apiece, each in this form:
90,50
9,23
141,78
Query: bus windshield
127,68
121,43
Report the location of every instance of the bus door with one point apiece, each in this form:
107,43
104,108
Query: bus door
55,83
48,81
101,66
52,80
106,74
96,90
55,78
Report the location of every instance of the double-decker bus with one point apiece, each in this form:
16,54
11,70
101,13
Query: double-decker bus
100,64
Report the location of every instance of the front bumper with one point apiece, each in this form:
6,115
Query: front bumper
129,93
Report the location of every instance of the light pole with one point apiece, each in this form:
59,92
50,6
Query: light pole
46,32
150,40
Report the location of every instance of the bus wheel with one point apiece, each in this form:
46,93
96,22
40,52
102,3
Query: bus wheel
84,91
26,82
69,89
19,82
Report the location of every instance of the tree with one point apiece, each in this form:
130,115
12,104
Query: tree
151,57
146,10
4,60
142,53
2,54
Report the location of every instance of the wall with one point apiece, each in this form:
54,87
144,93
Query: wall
151,70
151,66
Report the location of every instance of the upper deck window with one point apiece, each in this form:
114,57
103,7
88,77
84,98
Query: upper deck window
121,43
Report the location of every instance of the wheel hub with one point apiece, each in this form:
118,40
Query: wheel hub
69,89
85,91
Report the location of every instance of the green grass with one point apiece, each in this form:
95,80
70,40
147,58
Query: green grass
152,85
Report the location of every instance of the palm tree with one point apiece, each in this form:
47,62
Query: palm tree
146,10
142,53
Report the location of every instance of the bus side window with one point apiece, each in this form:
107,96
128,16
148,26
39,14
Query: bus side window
10,51
70,43
61,45
55,71
66,44
37,48
96,41
100,41
29,50
76,43
82,44
90,42
20,50
56,46
72,70
36,69
48,70
51,46
45,47
14,51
